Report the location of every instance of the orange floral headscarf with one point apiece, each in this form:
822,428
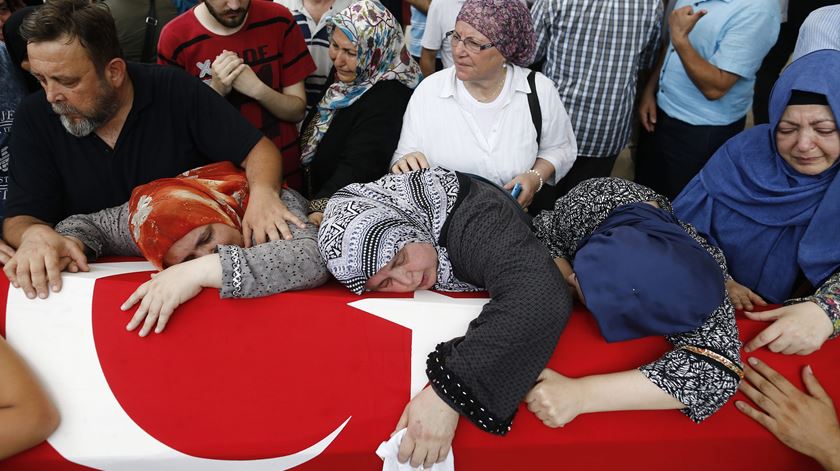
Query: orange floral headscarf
165,210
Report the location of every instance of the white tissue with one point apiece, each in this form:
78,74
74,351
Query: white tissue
388,452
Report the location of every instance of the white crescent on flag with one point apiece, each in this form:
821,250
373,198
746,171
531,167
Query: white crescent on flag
95,431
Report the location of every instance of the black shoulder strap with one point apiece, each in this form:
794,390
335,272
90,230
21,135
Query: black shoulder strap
148,55
534,105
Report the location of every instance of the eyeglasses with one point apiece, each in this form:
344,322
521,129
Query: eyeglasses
468,43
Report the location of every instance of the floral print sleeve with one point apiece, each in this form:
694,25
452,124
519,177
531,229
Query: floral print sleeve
827,297
704,368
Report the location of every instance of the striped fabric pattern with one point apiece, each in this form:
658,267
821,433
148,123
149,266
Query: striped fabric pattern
821,30
594,50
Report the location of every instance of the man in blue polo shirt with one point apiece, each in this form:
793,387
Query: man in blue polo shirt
702,88
101,127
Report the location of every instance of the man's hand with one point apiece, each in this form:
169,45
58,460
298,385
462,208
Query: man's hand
805,422
741,296
226,68
555,399
6,252
647,109
410,162
160,296
682,21
265,218
247,82
431,427
797,329
43,253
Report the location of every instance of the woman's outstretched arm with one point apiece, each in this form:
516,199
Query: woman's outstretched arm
558,399
698,376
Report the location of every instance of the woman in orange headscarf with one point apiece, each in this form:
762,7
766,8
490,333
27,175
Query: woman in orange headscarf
190,228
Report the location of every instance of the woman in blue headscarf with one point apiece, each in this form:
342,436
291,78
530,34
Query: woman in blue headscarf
770,199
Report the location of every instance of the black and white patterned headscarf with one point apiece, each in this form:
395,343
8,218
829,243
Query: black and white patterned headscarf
365,225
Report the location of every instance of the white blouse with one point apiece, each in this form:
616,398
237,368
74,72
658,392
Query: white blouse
438,124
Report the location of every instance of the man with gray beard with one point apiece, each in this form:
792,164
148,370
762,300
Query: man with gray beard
102,126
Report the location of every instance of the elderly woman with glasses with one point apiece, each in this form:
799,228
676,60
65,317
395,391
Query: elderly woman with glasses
489,115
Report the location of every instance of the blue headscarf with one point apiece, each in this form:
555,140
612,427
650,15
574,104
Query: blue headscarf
642,274
770,220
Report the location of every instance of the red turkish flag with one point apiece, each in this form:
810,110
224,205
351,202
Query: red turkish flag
256,379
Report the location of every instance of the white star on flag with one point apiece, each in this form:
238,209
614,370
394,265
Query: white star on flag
432,318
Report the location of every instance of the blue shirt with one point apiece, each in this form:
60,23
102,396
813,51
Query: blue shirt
415,34
734,36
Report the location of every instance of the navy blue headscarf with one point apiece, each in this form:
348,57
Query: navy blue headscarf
642,274
770,220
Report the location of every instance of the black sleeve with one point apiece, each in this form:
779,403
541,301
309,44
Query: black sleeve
35,184
219,131
485,374
367,149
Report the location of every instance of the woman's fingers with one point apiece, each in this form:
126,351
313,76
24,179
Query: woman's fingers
138,316
165,314
766,336
814,387
151,319
755,414
756,299
136,296
410,162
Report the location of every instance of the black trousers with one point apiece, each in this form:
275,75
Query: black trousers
668,158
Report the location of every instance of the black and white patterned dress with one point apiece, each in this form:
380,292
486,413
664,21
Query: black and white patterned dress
702,371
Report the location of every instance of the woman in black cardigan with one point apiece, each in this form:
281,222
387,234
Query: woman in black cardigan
449,231
352,133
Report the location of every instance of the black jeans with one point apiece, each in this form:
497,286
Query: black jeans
668,158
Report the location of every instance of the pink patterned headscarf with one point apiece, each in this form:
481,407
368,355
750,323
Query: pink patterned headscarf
506,23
